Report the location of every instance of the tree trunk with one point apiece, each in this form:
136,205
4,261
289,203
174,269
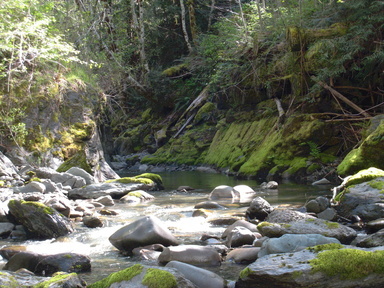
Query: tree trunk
192,19
184,26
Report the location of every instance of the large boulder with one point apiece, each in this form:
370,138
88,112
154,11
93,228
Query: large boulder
142,232
309,226
240,236
116,190
239,193
363,196
321,266
41,221
281,215
242,223
244,255
259,208
191,254
372,240
140,276
46,265
26,280
293,243
198,276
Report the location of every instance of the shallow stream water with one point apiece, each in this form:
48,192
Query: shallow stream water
175,210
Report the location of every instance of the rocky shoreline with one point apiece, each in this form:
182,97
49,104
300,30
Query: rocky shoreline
326,243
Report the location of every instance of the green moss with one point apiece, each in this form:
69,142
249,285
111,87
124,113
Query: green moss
56,279
135,194
205,112
40,206
77,160
9,281
366,155
245,272
157,278
348,263
128,180
323,247
123,275
332,225
364,176
175,70
296,274
264,224
375,184
154,177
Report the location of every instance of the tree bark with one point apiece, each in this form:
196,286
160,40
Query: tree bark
184,26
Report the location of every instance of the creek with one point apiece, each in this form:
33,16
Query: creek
175,210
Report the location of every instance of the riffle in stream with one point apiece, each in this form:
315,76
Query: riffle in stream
173,208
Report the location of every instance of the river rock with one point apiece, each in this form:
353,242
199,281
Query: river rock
375,225
244,193
24,259
71,280
8,251
317,205
244,255
328,214
7,168
33,186
76,171
202,278
92,222
46,265
281,215
41,221
222,192
364,200
295,270
269,185
137,196
309,226
65,262
6,229
240,236
191,254
115,190
105,200
373,240
259,208
209,205
242,223
293,243
142,276
144,231
150,252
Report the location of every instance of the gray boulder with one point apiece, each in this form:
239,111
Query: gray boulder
293,243
372,240
240,236
191,254
115,190
41,221
33,186
6,167
46,265
286,216
6,229
259,208
76,171
317,205
250,226
222,192
364,200
309,226
142,232
137,196
202,278
244,255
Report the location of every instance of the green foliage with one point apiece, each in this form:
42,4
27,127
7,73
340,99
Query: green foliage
123,275
157,278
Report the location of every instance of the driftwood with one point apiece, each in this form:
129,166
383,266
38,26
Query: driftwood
195,103
344,99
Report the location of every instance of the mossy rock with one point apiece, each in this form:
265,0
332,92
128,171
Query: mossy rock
156,278
77,160
60,279
365,175
123,275
128,180
154,177
366,155
348,263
